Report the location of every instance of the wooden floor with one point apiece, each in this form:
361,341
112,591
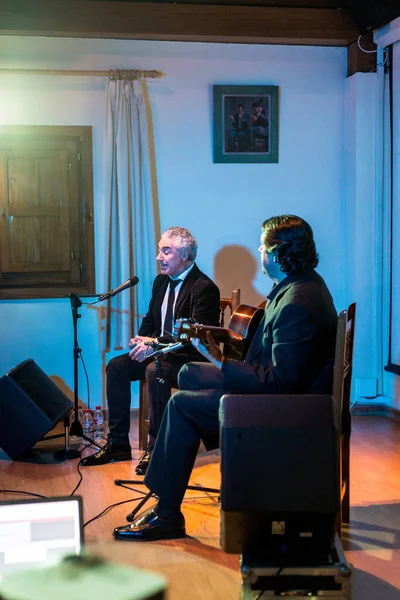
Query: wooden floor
195,567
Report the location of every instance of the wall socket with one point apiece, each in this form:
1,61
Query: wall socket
367,388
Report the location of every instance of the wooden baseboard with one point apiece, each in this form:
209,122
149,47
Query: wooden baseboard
393,413
375,408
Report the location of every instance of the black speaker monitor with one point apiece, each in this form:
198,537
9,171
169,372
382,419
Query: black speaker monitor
279,477
31,404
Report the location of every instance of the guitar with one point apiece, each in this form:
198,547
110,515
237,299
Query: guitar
236,337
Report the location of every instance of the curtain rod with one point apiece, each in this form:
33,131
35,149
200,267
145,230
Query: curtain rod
127,74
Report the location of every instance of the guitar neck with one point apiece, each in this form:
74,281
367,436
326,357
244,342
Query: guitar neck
220,334
242,326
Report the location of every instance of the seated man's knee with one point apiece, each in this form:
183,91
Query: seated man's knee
199,376
121,367
188,376
113,365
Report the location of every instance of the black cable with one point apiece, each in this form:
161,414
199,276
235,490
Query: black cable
80,478
21,492
391,205
87,378
103,512
41,495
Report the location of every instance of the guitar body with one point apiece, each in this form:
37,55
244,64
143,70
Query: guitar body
243,322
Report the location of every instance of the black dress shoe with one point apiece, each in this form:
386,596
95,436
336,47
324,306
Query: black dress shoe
149,527
110,453
143,463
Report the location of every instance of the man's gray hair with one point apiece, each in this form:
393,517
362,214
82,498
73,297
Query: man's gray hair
185,240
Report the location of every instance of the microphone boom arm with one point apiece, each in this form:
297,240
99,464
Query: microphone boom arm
129,283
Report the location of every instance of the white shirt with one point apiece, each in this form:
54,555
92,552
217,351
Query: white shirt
181,277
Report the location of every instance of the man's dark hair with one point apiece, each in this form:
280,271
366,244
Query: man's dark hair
240,105
291,240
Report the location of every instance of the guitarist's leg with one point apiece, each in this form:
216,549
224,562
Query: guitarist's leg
188,417
200,376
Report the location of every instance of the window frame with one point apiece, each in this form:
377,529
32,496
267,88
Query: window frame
82,135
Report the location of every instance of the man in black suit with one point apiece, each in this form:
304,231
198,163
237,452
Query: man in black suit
291,347
258,125
181,291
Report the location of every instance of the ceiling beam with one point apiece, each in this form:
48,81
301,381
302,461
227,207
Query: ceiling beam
181,22
337,4
362,61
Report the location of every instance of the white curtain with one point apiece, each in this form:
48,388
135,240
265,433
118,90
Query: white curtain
130,220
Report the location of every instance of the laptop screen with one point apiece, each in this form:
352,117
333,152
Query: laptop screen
37,532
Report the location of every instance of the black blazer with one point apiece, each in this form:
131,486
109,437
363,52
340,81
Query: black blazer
294,341
198,298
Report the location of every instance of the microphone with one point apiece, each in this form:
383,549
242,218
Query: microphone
170,348
127,284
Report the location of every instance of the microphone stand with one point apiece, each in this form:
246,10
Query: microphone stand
76,426
160,381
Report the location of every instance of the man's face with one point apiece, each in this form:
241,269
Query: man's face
268,265
173,261
241,111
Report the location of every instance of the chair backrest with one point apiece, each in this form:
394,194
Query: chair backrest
232,303
344,367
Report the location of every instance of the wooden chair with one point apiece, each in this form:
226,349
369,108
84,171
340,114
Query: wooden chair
341,394
225,303
143,415
232,303
253,408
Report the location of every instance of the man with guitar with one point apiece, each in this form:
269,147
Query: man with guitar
180,291
293,343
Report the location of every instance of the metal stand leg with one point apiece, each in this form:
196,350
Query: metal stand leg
68,453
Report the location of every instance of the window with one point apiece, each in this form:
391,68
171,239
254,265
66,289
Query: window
46,212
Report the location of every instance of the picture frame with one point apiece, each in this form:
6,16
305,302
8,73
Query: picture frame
246,123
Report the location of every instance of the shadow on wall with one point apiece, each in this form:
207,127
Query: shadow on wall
67,390
235,267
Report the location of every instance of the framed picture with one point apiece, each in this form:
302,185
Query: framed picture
246,123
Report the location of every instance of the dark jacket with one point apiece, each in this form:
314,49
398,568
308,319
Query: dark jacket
198,299
296,338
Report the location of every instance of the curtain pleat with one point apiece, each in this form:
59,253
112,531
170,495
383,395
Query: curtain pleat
130,220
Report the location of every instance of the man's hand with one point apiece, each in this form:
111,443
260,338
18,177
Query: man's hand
141,348
212,352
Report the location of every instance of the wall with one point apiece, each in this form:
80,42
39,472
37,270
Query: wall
363,235
223,205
